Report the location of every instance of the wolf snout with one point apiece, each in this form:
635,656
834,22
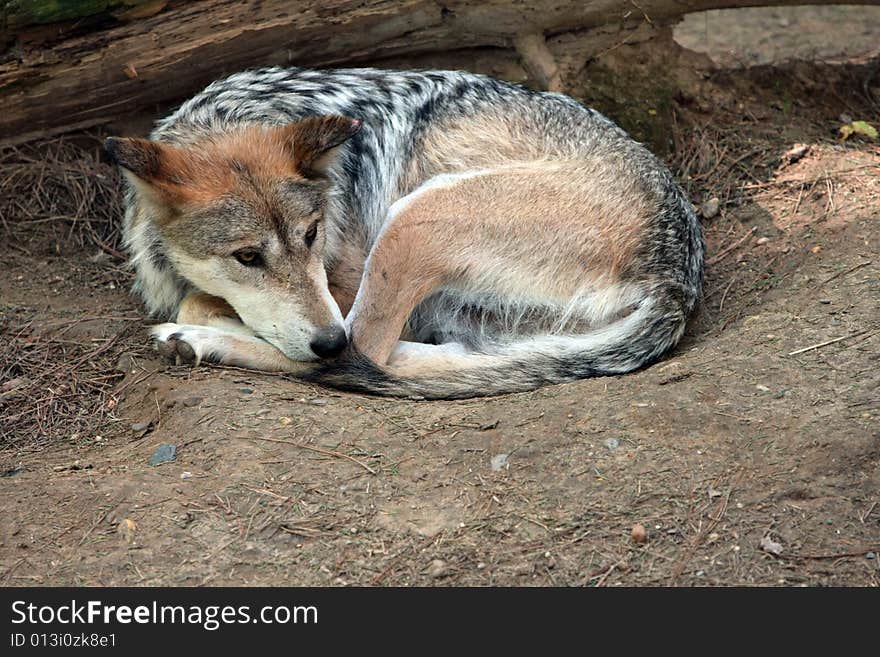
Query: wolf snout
329,342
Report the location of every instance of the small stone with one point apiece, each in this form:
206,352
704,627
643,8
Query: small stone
186,474
189,402
762,240
796,152
165,453
824,302
125,363
762,388
437,568
639,533
771,546
816,249
870,555
611,443
354,530
711,207
285,420
246,391
318,402
126,529
499,462
141,429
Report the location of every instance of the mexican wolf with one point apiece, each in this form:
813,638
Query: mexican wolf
436,234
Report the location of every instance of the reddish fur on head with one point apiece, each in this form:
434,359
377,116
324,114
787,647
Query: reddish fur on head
206,170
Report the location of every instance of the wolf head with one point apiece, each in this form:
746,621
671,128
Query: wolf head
241,216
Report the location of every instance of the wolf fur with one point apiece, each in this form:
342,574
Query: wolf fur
515,238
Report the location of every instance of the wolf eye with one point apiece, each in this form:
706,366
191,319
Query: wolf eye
249,257
311,234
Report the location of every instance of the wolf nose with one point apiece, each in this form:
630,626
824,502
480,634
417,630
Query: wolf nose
329,342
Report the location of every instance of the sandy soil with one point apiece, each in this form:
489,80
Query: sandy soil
767,35
751,455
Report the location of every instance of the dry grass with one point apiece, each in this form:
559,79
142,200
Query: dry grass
58,195
58,198
56,388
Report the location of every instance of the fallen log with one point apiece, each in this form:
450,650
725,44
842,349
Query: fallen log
72,64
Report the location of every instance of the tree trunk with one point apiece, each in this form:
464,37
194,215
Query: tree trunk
77,63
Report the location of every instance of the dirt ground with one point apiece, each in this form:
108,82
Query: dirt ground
751,455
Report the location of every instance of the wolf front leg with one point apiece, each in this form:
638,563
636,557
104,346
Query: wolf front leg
208,329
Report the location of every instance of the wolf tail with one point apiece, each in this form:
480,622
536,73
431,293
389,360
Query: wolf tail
635,341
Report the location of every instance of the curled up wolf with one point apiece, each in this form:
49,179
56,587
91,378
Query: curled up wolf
434,234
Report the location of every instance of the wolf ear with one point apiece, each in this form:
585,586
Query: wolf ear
158,171
145,159
316,140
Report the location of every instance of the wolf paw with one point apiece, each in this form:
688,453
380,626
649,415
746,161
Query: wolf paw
188,344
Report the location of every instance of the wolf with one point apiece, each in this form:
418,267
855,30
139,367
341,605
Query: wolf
431,234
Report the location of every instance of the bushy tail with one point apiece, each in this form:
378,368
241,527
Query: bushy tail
632,342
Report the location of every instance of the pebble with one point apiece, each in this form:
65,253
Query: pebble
611,443
870,555
126,529
285,420
189,402
437,568
769,545
125,363
499,462
246,391
711,208
186,474
796,152
825,301
762,388
318,402
164,453
762,240
639,533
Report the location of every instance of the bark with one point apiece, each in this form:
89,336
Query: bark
72,64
